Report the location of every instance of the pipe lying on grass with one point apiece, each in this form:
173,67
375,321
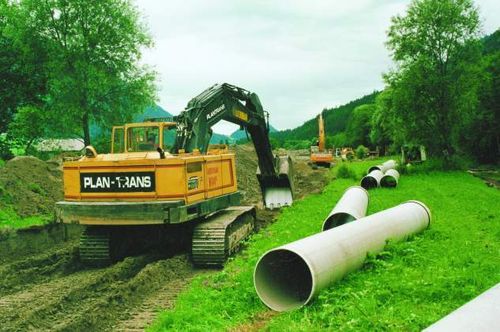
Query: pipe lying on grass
351,206
288,277
390,178
389,164
480,314
372,180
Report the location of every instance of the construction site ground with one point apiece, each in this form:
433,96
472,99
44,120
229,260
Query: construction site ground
45,287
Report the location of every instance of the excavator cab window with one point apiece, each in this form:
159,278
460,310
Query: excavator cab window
142,139
168,137
117,145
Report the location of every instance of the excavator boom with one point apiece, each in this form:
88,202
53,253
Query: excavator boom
319,155
239,106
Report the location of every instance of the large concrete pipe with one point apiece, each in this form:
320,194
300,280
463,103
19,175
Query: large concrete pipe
390,178
372,180
389,164
480,314
351,206
288,277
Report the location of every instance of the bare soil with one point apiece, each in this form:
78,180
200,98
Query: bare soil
51,290
30,186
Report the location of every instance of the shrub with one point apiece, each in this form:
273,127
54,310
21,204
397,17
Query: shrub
344,172
361,152
5,151
436,164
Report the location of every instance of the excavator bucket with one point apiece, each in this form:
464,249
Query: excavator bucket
277,191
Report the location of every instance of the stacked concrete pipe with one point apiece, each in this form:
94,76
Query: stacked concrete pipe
372,180
288,277
390,178
351,206
389,164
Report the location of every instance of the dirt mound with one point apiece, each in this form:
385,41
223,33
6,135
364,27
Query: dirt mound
246,168
30,186
306,180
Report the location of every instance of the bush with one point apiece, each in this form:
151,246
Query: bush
435,165
5,151
361,152
344,172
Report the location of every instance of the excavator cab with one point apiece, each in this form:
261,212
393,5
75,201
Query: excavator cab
143,137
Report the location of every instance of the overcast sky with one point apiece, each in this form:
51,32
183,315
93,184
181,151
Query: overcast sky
298,56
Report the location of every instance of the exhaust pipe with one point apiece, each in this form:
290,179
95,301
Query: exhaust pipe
389,164
351,206
480,314
372,180
288,277
390,179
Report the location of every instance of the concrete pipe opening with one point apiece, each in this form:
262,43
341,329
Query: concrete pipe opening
374,168
388,181
283,280
337,219
369,182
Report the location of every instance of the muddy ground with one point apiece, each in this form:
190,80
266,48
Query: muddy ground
51,290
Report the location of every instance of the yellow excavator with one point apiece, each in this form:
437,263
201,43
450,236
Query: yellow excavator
319,155
163,182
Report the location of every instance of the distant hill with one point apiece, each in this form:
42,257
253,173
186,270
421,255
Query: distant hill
153,112
335,121
491,43
240,133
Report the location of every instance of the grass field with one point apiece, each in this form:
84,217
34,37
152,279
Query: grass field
408,287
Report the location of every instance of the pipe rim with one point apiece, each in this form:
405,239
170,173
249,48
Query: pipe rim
282,308
373,168
391,184
370,181
427,210
331,218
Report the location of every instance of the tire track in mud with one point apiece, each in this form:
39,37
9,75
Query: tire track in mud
142,316
53,292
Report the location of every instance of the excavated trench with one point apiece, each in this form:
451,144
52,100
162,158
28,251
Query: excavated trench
43,286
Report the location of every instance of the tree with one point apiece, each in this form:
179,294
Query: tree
358,126
22,81
481,132
435,85
27,126
384,130
93,50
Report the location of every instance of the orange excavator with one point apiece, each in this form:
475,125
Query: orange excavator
319,155
164,185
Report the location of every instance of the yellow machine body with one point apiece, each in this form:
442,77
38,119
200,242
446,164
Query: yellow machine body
96,183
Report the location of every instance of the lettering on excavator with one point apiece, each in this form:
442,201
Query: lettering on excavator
216,111
117,182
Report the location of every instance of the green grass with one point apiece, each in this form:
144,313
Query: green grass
10,219
411,285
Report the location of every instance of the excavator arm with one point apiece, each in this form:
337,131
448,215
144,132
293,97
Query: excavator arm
236,105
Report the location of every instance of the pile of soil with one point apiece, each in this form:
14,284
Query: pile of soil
246,168
306,180
31,186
